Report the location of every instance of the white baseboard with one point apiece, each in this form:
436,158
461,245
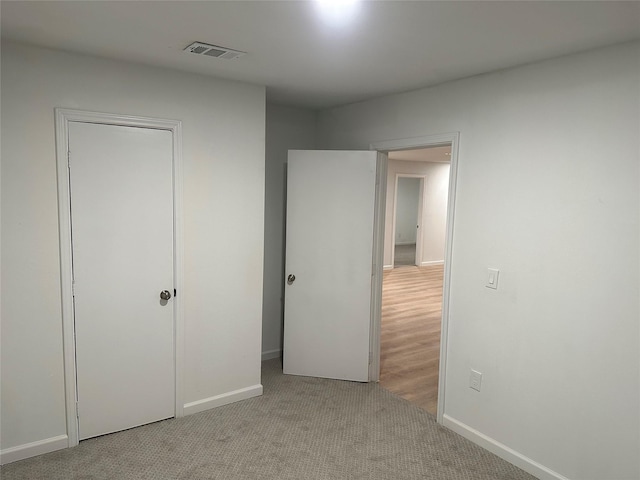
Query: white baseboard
270,354
224,399
32,449
502,451
405,243
387,267
432,262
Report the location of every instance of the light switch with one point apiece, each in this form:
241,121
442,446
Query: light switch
492,278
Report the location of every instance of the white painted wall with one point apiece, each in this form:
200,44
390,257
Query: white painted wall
434,213
407,210
287,129
223,148
548,192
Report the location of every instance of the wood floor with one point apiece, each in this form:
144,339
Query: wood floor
410,336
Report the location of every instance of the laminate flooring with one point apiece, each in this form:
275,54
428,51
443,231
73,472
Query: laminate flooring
410,335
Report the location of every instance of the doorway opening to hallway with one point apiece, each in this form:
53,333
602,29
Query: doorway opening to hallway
414,256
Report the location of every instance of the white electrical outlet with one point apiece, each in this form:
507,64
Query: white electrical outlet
475,380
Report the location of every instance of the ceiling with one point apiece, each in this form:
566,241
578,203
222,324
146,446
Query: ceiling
306,59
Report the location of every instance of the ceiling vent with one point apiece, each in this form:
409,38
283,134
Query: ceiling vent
200,48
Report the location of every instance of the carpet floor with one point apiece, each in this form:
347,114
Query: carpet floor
301,428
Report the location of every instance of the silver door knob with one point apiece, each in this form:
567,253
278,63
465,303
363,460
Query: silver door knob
165,295
291,278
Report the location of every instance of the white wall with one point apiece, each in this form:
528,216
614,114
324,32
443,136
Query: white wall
548,192
434,213
287,129
408,198
223,135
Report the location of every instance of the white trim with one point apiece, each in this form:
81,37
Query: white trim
375,312
502,451
452,139
224,399
62,119
427,141
66,275
446,286
32,449
178,268
431,262
388,267
271,354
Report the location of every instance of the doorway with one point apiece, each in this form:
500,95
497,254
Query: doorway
411,326
407,218
377,261
119,200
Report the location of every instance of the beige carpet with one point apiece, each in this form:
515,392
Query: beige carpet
301,428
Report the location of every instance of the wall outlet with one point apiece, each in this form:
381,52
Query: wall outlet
475,380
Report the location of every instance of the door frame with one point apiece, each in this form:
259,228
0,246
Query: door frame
419,236
62,119
453,139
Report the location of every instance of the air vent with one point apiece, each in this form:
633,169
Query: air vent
200,48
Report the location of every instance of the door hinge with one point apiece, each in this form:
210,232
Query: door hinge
174,293
73,289
69,159
77,411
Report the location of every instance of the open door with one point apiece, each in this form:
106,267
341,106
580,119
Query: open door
330,272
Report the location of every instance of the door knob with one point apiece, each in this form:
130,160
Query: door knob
291,278
165,295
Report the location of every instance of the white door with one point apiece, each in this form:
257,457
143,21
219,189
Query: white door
329,251
122,234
